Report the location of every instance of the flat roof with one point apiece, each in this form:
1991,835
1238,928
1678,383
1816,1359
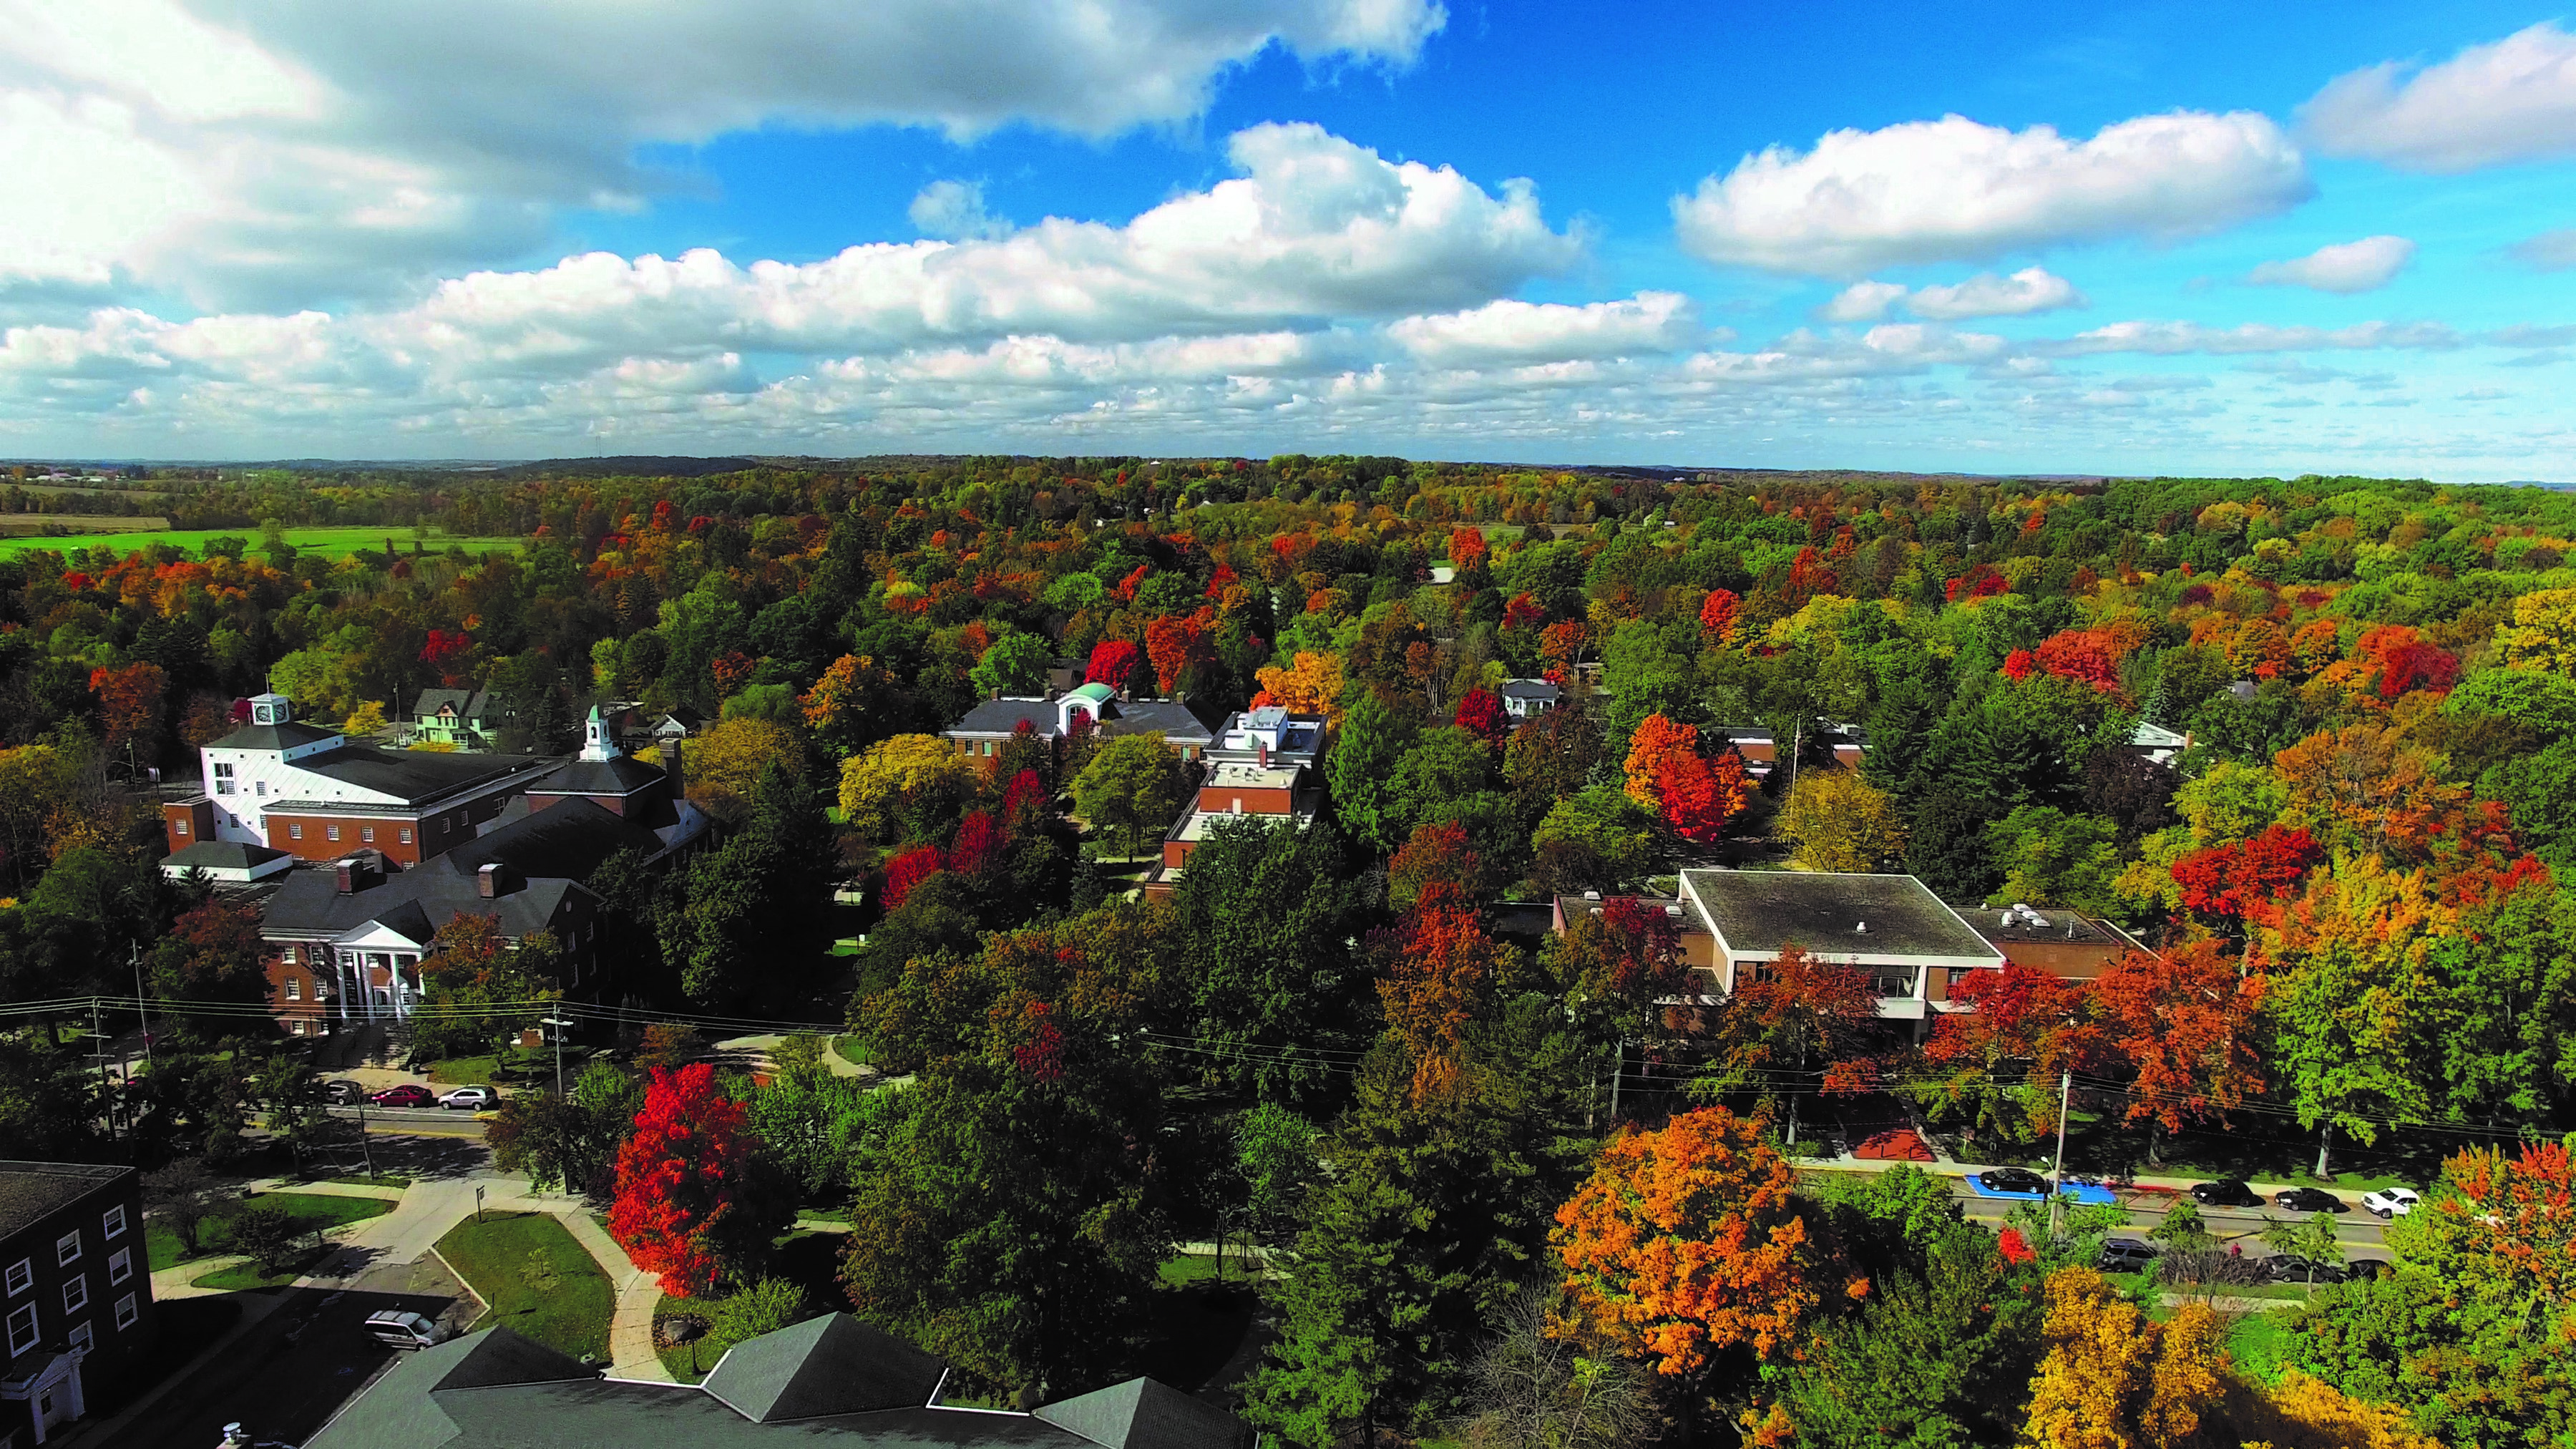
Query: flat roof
1194,826
32,1191
1245,775
1846,916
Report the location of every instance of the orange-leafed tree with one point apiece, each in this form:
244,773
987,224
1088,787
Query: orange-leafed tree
1717,614
1666,773
1179,646
2183,1025
695,1204
1687,1243
1481,712
129,706
2509,1228
1563,645
1467,548
1996,1062
1442,983
1794,1023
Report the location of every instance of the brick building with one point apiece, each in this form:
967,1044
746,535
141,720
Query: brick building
75,1291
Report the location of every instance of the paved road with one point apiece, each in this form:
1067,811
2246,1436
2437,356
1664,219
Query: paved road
2361,1233
414,1121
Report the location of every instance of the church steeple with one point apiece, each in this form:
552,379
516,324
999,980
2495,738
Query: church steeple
595,744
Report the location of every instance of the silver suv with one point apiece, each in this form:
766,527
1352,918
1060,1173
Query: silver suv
403,1329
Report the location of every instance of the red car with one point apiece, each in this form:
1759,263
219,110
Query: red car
409,1094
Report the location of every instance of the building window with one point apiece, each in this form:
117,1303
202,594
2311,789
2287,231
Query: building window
112,1222
295,1027
76,1293
330,832
120,1266
295,832
67,1249
286,954
179,825
21,1274
22,1329
126,1313
294,989
367,834
223,778
404,835
81,1338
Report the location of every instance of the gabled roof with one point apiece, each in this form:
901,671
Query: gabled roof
1144,1414
404,1408
824,1366
1530,689
468,703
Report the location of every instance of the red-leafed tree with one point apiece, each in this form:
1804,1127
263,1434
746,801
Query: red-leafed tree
2511,1226
1435,855
732,671
2405,660
2183,1025
1026,803
451,654
1717,614
1481,712
2247,880
2020,664
1523,612
1619,963
1665,773
907,871
212,953
1114,662
978,847
694,1201
1796,1020
1996,1062
2082,655
1177,646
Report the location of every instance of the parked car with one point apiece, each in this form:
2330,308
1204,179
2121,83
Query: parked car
2128,1255
343,1092
403,1329
2392,1202
2009,1182
409,1094
470,1099
2287,1268
2311,1200
2225,1192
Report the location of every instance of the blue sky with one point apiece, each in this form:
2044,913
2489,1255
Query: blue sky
2174,238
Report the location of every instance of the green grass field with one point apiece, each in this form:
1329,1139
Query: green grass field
537,1279
162,1245
329,542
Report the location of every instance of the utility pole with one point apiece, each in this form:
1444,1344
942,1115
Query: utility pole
142,1007
364,1145
2057,1174
1618,1069
98,1052
555,1027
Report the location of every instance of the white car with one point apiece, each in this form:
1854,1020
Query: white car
2392,1202
470,1099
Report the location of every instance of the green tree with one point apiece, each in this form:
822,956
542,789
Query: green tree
1132,785
1441,765
1596,839
1015,664
1360,772
2052,858
1267,914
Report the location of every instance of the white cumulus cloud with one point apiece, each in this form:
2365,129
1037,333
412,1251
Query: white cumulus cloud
1512,331
2030,290
954,211
303,152
2347,267
2508,100
1955,190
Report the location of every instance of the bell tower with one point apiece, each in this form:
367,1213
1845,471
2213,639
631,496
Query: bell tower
595,744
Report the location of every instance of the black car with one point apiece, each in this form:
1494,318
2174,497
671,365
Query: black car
342,1092
2127,1255
2288,1269
2311,1200
2226,1192
2013,1179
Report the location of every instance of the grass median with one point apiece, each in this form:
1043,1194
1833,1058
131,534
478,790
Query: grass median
536,1279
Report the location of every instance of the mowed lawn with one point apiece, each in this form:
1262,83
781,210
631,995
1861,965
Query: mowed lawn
163,1249
538,1280
328,542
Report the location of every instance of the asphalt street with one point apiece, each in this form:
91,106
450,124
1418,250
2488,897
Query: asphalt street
2361,1233
414,1121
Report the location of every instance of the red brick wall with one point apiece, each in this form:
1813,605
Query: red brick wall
188,822
1219,800
317,843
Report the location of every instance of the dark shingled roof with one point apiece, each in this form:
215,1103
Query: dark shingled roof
530,1402
1757,912
273,737
550,850
566,840
469,703
1175,718
620,776
31,1190
1143,1414
824,1366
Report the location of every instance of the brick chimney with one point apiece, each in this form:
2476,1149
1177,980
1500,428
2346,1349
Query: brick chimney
353,875
671,770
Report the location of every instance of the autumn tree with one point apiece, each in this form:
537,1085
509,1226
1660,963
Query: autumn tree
910,787
1118,663
695,1203
2110,1378
1687,1242
1618,964
1312,684
1555,753
1436,855
723,762
2186,1027
1667,774
1838,821
1791,1018
1131,785
129,705
1995,1062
